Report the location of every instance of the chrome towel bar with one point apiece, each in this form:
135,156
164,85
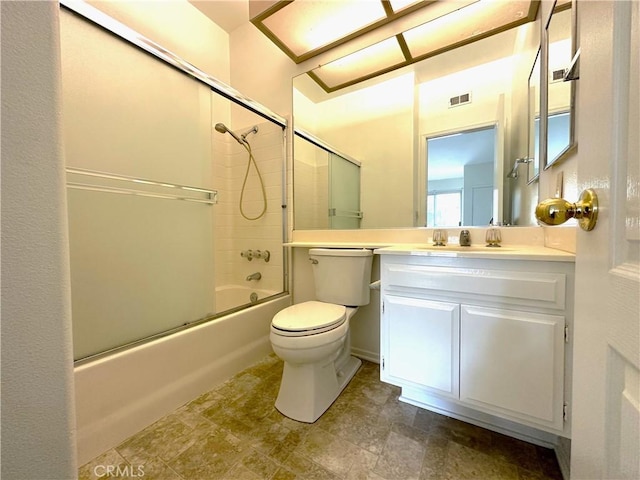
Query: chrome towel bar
162,189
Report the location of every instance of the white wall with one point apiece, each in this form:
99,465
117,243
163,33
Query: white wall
233,233
375,126
261,70
178,27
38,422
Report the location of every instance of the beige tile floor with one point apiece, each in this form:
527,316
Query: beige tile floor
234,432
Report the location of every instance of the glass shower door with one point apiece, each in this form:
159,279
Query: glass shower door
344,193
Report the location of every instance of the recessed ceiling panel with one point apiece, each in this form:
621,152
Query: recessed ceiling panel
305,26
397,5
378,58
468,24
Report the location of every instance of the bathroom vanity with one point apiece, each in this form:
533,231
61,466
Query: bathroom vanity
481,334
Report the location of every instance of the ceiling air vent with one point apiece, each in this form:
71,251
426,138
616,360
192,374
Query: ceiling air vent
558,75
461,99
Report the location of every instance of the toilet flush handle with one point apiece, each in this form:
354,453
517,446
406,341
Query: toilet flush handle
313,261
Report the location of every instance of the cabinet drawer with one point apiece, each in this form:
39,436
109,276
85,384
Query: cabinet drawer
535,289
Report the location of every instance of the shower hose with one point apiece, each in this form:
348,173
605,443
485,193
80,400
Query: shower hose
244,184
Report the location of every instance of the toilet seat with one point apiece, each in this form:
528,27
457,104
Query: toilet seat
308,318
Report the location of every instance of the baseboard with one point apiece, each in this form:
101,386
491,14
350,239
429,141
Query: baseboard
366,355
563,455
485,420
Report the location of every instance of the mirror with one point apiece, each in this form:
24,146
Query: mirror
385,123
534,122
327,193
560,93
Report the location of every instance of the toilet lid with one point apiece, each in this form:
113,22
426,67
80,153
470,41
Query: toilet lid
311,317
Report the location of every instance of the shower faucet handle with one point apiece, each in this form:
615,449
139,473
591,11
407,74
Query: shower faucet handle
265,255
251,254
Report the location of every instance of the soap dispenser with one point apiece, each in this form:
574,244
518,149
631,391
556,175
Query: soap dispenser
465,238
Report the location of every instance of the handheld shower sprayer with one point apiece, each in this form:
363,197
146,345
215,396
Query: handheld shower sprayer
222,128
242,140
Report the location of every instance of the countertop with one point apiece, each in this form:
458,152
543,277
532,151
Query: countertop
505,252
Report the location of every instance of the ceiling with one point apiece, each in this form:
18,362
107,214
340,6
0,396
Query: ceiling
378,36
227,14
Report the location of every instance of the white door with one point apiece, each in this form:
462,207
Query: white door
606,379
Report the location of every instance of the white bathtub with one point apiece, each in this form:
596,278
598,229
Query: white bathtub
118,395
231,296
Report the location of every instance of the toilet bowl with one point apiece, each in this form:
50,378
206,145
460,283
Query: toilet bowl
312,338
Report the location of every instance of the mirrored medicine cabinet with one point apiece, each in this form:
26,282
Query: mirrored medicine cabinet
559,43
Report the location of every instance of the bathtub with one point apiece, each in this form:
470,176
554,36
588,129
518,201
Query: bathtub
231,296
119,395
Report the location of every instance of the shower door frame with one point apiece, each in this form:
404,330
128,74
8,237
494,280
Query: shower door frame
130,36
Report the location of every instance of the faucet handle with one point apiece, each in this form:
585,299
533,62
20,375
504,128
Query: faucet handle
439,237
494,237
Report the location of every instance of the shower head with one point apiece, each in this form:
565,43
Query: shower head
222,128
253,129
514,171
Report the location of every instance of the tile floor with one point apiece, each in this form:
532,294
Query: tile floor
234,432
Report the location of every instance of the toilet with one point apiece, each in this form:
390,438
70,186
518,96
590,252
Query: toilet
312,338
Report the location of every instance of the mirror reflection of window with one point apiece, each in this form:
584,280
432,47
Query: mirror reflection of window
534,120
558,135
444,209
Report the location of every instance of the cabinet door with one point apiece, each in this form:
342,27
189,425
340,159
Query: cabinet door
420,344
512,363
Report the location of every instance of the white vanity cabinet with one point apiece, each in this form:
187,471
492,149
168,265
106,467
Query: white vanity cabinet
483,340
421,333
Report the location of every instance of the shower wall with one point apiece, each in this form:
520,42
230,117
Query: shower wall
234,233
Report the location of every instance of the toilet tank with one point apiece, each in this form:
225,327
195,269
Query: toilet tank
342,276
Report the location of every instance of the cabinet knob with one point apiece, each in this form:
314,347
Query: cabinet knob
555,211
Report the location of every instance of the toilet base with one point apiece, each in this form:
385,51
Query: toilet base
308,390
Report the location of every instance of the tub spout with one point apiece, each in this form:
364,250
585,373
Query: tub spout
254,276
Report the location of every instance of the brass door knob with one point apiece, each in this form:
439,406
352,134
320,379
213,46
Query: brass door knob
555,211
